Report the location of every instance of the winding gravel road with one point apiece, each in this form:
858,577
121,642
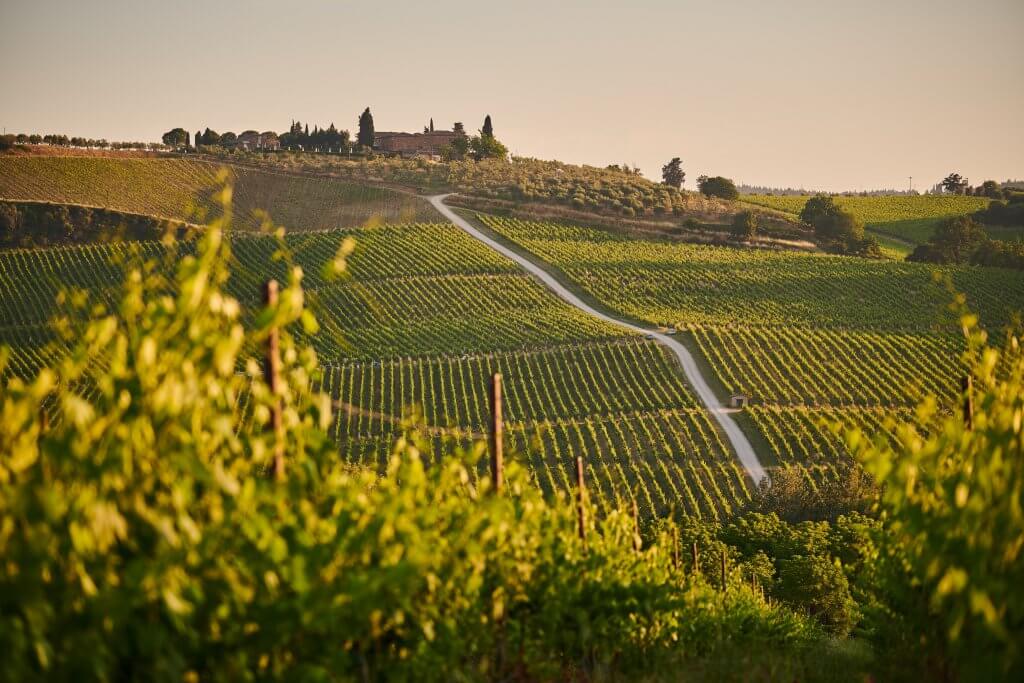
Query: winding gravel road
744,451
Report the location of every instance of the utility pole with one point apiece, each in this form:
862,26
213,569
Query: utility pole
911,184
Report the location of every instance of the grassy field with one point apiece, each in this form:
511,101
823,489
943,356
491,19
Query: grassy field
167,187
810,338
908,218
424,317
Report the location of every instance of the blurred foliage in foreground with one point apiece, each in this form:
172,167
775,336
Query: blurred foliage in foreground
952,557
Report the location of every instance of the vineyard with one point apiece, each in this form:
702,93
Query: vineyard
167,187
810,338
909,218
417,325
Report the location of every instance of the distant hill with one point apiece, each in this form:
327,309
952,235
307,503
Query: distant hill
905,217
166,187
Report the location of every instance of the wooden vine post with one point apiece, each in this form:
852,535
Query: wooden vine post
723,570
967,386
272,375
696,557
675,547
637,541
581,493
497,436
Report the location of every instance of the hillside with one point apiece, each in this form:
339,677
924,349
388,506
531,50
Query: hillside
531,184
415,325
167,187
811,339
907,218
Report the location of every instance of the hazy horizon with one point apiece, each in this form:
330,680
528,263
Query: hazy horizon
777,94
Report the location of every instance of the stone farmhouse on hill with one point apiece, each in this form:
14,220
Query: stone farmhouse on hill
250,140
413,144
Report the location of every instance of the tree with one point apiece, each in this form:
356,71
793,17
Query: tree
672,173
744,226
488,130
198,138
431,124
717,186
365,137
176,137
210,137
954,183
487,147
954,241
990,189
816,208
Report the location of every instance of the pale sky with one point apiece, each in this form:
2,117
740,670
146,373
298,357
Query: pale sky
817,93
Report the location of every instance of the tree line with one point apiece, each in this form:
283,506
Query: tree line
60,140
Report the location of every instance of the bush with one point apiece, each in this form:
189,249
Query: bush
744,226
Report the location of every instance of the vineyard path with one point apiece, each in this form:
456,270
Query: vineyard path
740,444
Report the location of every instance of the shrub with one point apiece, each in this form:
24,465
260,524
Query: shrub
744,226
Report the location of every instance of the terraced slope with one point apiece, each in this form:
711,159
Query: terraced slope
424,318
167,187
810,338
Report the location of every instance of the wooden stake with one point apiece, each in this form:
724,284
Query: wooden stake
497,436
696,565
272,374
637,541
723,570
675,548
967,385
581,494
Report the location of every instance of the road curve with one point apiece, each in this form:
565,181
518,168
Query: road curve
740,444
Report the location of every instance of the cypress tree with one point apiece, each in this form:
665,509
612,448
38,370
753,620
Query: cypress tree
431,124
199,138
365,137
488,130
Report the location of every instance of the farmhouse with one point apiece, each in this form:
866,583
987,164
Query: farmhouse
413,144
250,139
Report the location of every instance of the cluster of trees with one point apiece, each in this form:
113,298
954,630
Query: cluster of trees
330,138
962,240
1009,212
60,140
837,230
478,147
955,183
